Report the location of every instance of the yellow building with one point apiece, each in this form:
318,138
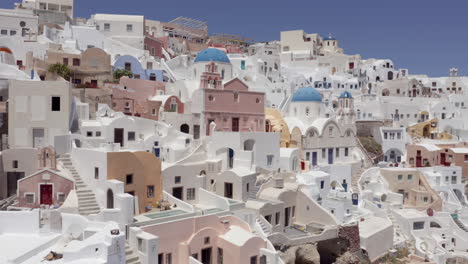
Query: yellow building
428,129
274,122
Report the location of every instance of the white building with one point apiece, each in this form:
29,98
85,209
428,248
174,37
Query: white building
18,23
38,111
125,28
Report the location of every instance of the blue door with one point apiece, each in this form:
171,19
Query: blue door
156,152
242,65
330,156
314,158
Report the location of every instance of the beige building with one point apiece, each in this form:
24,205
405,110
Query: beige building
140,172
90,69
416,190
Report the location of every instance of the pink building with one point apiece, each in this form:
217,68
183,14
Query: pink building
427,155
46,186
209,239
133,97
232,107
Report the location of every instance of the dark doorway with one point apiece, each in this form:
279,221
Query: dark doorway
185,128
206,256
119,136
46,194
228,190
330,156
231,158
178,192
286,216
442,159
110,199
235,124
418,161
12,181
314,158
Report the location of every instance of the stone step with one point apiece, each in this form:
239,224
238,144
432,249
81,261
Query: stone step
84,203
86,198
88,205
132,259
85,191
128,251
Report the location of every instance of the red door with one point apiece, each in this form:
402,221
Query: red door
418,161
235,124
442,159
46,194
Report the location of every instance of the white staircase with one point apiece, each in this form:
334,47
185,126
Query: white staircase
355,180
253,193
131,257
263,225
12,200
367,163
86,199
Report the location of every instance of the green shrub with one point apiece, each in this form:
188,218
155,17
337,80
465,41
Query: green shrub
122,72
62,70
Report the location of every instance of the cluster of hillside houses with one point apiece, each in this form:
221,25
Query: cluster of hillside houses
130,140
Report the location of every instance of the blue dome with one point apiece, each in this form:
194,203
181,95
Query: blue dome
307,94
212,54
329,38
346,94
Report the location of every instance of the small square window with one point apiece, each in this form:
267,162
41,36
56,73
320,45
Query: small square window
206,240
270,160
106,27
400,177
150,191
76,62
129,179
98,133
410,177
131,136
15,164
89,133
29,198
65,61
4,32
61,198
129,27
177,179
190,193
96,173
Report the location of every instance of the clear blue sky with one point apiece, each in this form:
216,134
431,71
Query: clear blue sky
425,36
